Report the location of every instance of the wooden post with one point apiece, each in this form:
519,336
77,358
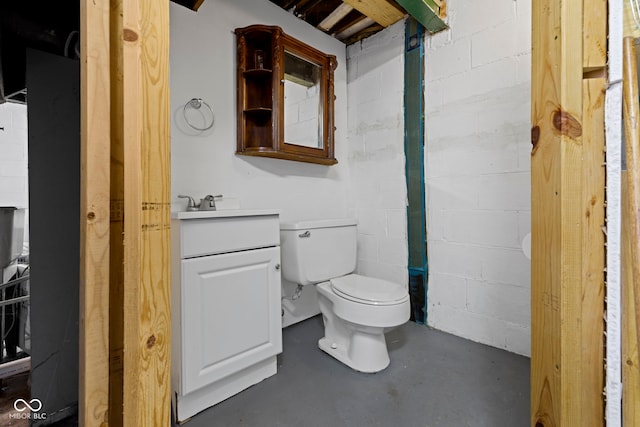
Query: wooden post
147,193
631,236
630,348
567,295
94,207
631,111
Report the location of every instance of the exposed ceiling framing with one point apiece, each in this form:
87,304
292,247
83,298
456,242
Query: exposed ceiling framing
353,20
53,27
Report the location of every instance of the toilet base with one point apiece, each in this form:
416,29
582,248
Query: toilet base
364,352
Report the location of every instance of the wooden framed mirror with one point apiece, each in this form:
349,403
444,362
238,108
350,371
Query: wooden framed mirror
285,97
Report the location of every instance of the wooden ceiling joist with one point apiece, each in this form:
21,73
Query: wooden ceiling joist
383,12
330,21
355,28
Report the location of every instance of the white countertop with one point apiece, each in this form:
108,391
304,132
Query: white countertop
224,213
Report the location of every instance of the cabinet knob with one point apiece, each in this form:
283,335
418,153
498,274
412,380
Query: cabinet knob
277,266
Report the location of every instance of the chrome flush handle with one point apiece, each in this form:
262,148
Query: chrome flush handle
305,234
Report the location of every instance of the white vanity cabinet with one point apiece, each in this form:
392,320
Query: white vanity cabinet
226,315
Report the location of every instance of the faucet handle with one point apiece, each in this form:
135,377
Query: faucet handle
209,202
191,205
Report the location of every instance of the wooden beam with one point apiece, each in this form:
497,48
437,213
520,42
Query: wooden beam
593,250
567,201
147,172
427,12
381,11
632,149
355,28
334,17
93,398
630,348
116,253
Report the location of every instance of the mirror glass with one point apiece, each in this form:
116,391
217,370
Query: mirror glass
302,104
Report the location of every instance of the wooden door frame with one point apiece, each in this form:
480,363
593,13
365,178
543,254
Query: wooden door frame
125,174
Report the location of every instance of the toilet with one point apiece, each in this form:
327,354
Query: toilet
356,310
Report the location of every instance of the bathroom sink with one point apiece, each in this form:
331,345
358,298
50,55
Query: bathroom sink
223,213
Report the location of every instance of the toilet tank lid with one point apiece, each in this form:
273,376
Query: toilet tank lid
318,223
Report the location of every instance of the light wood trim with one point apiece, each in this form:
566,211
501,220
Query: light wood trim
94,213
567,197
630,353
334,17
381,11
147,172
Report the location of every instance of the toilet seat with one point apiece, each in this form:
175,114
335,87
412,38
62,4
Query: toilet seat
369,290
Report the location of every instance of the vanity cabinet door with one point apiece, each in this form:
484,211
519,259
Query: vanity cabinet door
230,314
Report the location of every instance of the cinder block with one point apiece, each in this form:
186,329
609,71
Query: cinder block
368,247
494,43
396,223
481,227
504,265
471,16
511,191
502,301
447,290
523,70
518,339
455,58
454,259
393,251
524,224
13,169
371,222
458,192
13,152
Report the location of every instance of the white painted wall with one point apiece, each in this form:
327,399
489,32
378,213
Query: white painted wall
203,64
14,185
378,192
477,104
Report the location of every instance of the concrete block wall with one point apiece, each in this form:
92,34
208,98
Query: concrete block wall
477,102
14,183
375,115
301,114
13,155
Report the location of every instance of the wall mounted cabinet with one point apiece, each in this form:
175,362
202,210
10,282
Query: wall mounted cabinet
285,97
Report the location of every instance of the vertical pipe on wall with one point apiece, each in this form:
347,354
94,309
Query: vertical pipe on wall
414,153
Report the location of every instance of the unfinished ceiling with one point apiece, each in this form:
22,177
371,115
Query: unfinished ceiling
353,20
54,27
342,19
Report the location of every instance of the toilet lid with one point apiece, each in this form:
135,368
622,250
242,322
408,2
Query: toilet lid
369,289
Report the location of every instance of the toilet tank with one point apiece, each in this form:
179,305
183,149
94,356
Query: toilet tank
319,250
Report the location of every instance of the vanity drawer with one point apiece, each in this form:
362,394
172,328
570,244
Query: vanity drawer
201,237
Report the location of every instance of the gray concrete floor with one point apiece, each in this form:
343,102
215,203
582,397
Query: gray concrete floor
434,380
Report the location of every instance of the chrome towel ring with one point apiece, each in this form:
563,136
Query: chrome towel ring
196,104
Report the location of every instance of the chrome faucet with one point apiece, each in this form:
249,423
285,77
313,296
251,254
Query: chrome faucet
191,205
208,203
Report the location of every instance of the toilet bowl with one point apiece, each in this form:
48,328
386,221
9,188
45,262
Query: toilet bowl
356,310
